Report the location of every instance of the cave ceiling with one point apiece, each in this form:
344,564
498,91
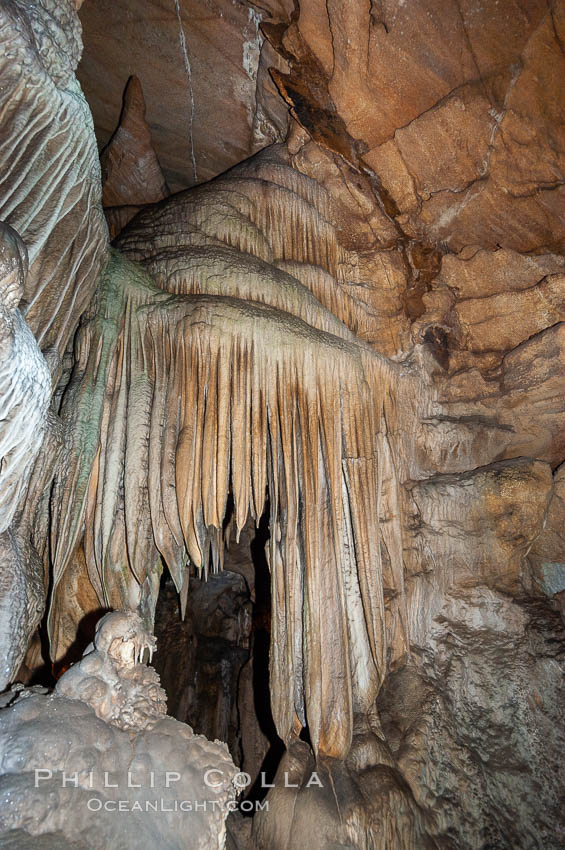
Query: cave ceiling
204,69
282,388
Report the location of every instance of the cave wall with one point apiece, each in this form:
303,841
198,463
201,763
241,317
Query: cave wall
50,195
212,61
364,318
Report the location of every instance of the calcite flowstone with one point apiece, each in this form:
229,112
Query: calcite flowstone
50,200
364,322
49,743
99,761
50,188
25,384
25,391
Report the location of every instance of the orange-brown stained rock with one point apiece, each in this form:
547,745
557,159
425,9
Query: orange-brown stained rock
215,105
546,554
131,174
501,322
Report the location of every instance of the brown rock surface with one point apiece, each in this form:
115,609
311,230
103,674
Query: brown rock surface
502,322
501,508
203,67
546,554
131,173
354,337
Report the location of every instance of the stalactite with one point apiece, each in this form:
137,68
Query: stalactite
247,213
307,235
216,270
185,400
229,380
327,291
272,166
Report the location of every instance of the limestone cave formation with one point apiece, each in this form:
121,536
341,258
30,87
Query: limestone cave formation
282,424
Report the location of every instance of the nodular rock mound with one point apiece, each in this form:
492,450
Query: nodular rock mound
98,763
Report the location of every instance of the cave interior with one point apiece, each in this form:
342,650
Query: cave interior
282,424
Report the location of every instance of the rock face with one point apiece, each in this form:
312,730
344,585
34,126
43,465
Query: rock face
354,337
53,246
545,555
210,64
25,389
51,192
